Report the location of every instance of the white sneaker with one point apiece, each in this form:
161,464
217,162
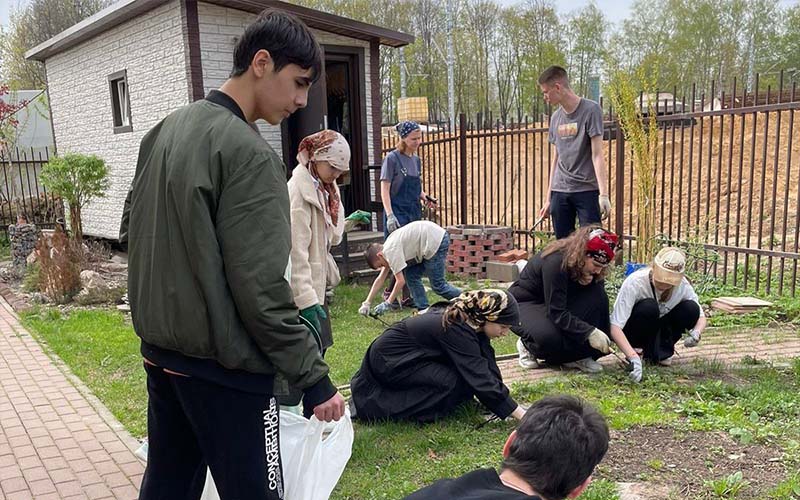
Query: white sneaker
666,362
587,365
526,359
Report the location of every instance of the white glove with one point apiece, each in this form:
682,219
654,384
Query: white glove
391,223
364,309
693,339
605,206
600,341
636,369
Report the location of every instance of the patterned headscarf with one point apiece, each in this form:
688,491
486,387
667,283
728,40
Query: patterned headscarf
325,145
405,128
330,146
601,246
480,306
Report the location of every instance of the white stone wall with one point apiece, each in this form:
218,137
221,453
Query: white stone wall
151,49
219,26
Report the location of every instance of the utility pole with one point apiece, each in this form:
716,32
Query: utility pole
451,86
403,72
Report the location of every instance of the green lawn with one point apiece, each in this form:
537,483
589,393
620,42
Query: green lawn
755,405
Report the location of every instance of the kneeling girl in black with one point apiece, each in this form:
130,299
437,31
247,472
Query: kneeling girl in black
563,303
424,367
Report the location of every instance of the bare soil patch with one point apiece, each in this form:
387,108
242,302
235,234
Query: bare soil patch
683,461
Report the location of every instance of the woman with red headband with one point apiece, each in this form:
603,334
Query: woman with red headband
563,303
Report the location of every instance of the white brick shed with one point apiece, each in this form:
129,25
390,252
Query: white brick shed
169,53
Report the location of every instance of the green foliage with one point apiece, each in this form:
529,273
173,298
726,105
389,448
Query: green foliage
5,247
728,487
636,116
78,179
601,489
788,489
30,281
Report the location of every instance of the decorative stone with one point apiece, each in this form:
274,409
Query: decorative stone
23,238
119,258
92,281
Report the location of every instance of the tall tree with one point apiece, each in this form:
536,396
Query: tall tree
585,41
39,21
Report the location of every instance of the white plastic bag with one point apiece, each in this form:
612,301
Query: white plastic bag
313,456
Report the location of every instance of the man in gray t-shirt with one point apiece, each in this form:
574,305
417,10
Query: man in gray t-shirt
578,176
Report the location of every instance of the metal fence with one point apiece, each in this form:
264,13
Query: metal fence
21,192
728,181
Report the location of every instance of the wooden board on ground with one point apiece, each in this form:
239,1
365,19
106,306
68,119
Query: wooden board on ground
739,305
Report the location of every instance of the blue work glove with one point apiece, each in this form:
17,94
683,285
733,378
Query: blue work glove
385,306
391,223
314,315
636,369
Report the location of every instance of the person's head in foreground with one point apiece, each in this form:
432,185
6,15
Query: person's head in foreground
586,254
493,312
555,448
669,267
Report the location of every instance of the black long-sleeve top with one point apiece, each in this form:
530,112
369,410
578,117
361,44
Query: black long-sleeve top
422,338
543,281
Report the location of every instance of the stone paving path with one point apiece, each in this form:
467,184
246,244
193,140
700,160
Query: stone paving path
56,439
723,346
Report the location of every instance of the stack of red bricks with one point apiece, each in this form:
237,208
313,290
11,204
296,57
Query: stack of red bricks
511,256
471,246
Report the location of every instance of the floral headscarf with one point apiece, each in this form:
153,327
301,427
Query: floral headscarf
325,145
330,146
480,306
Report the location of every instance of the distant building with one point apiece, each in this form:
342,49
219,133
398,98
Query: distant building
34,132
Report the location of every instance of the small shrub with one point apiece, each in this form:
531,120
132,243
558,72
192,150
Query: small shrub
59,263
601,489
78,179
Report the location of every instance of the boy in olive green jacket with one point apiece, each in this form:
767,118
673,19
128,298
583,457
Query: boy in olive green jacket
207,227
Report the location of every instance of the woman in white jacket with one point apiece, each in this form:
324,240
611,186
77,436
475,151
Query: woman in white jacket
317,224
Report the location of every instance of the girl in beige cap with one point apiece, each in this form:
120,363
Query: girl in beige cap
654,307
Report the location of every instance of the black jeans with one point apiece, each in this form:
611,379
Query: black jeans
657,335
546,341
192,423
564,207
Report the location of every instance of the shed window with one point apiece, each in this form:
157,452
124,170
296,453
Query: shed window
120,102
